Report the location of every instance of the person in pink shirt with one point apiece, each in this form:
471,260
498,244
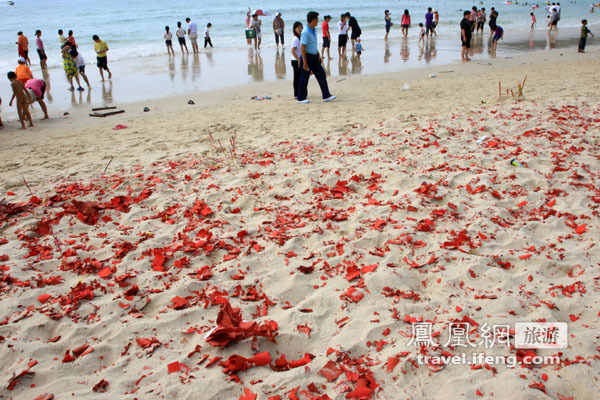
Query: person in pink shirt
35,90
40,49
326,37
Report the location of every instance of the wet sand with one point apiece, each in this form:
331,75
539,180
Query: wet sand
162,76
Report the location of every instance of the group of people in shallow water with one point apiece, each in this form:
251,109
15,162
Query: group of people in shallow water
28,90
192,34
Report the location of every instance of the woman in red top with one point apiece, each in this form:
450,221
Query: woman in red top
405,23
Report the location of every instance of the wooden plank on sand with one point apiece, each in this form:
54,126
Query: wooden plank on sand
106,114
104,108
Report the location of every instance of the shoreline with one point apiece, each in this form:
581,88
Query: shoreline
159,77
231,109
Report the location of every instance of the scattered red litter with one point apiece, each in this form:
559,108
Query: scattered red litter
45,396
100,386
352,295
248,395
231,327
330,371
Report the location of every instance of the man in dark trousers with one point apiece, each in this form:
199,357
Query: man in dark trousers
311,60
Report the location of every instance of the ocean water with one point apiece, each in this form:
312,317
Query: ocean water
134,29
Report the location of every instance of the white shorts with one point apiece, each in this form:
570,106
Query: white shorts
259,35
31,94
194,37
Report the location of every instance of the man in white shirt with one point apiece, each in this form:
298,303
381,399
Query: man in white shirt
343,36
193,34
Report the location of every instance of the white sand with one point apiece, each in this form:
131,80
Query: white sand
382,177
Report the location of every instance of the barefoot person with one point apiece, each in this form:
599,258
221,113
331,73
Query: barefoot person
23,47
311,61
36,88
169,41
355,29
207,40
326,37
248,22
40,49
498,35
465,36
180,33
278,27
255,25
388,23
342,36
193,34
101,49
19,93
80,64
429,22
584,34
405,23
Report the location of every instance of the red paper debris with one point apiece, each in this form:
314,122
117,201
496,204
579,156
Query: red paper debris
231,327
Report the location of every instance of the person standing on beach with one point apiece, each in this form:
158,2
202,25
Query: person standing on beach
388,23
19,93
436,21
61,38
180,33
296,53
533,21
278,27
342,36
326,37
429,22
207,40
473,18
311,61
40,49
553,23
23,47
356,32
38,87
193,34
421,33
465,36
101,49
493,18
248,21
255,25
80,64
169,41
481,18
584,33
405,23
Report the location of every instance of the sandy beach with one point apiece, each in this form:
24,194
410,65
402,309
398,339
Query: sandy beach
244,249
